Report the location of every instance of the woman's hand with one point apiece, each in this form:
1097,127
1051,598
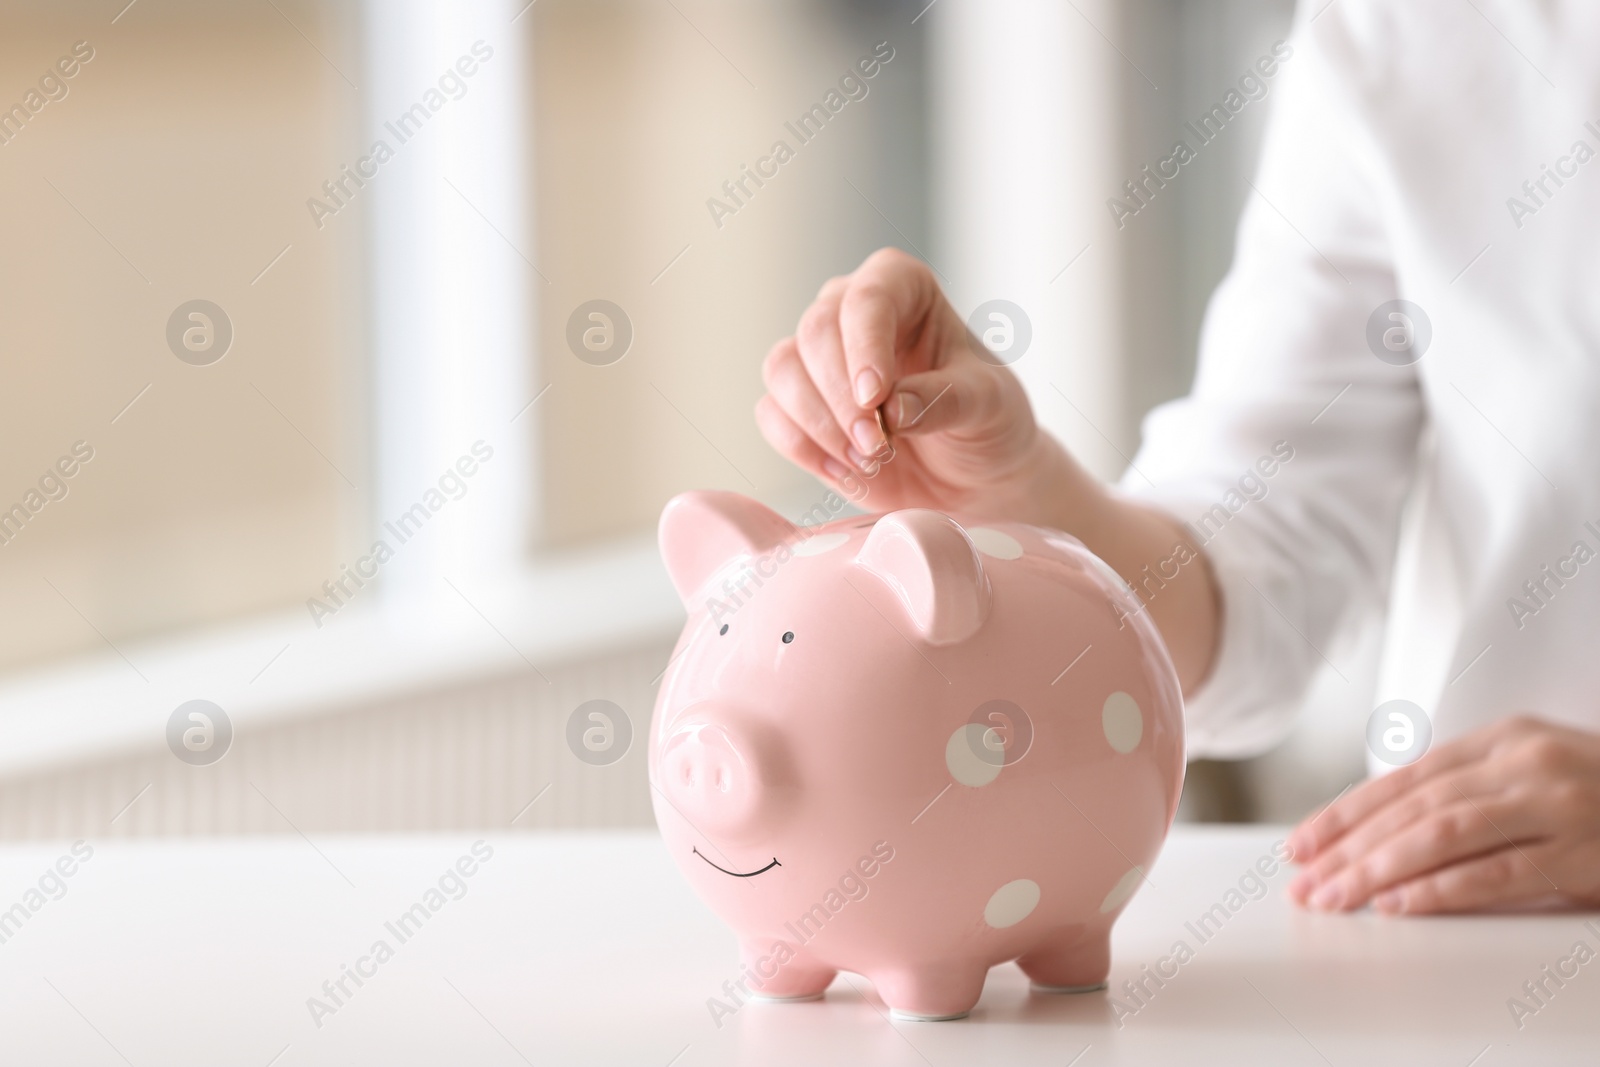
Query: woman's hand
1502,817
964,434
964,437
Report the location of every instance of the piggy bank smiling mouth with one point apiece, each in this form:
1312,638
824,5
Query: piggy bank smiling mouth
736,874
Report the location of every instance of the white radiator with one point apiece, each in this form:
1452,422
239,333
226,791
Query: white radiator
471,756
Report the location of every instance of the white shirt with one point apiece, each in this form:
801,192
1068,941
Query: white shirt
1393,167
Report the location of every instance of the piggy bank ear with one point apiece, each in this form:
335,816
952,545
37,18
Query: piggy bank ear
931,566
703,531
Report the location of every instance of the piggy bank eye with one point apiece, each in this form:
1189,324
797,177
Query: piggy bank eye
723,630
788,637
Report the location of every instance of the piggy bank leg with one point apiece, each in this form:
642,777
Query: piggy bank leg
795,977
932,993
1076,961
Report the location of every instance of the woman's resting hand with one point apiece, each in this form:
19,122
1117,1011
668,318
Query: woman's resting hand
1506,816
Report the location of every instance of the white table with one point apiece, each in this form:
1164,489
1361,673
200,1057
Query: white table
589,948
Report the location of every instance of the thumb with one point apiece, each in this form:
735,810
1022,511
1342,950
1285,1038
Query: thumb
929,402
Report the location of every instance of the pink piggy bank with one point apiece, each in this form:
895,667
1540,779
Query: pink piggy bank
909,747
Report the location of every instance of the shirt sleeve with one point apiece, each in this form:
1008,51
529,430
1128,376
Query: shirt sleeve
1291,457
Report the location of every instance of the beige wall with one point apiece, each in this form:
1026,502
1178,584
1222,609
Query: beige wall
190,142
639,121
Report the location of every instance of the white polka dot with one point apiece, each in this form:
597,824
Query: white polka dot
817,544
1121,891
974,754
1123,722
995,543
1011,903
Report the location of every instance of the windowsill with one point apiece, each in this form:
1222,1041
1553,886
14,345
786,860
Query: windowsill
562,608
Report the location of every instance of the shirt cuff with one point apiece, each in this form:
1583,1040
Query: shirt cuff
1244,706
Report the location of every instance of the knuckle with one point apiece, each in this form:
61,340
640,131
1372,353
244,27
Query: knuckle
815,325
894,262
1513,727
1570,798
1470,822
778,360
1543,753
1503,867
831,289
1440,794
1422,769
864,291
1441,833
889,257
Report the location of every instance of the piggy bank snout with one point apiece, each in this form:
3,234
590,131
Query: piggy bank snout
721,778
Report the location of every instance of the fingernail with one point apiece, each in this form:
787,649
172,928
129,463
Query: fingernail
1388,903
1300,886
865,432
867,385
836,470
911,409
1329,898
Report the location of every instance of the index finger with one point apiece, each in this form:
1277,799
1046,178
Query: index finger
889,298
